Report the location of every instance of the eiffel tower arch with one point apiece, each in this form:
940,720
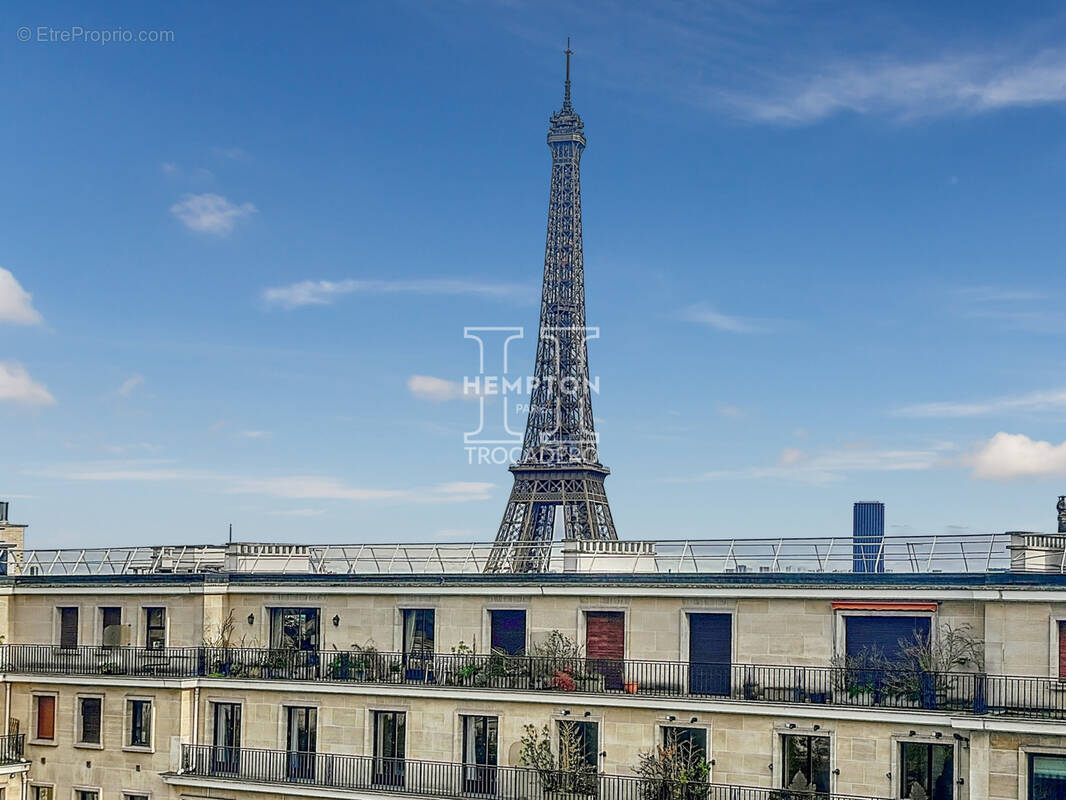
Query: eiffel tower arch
559,467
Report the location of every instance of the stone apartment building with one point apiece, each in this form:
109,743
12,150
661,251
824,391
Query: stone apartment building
273,671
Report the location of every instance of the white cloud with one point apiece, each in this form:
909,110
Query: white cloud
705,315
835,465
1052,400
962,83
17,385
426,387
255,434
320,293
1015,455
15,302
730,411
131,383
210,213
290,487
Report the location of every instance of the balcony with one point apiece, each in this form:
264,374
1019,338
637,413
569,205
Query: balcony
12,758
900,688
203,765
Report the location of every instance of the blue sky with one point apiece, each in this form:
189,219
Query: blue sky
823,247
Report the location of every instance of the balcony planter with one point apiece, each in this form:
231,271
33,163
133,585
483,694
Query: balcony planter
752,691
630,687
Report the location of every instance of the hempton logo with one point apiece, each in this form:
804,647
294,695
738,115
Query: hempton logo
504,394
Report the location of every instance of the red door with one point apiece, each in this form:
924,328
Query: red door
605,636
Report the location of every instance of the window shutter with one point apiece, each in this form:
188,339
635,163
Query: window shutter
90,720
1062,649
68,628
46,717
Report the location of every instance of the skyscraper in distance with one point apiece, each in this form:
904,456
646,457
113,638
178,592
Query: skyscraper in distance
868,536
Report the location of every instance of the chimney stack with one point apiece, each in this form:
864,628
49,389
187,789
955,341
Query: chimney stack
1061,507
3,511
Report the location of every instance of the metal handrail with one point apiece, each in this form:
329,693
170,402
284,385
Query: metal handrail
912,554
900,687
453,780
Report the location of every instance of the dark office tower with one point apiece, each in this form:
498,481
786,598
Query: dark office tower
1061,508
867,537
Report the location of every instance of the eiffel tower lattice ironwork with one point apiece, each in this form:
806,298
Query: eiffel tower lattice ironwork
559,467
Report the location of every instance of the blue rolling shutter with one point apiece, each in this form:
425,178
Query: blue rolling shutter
882,634
710,649
508,631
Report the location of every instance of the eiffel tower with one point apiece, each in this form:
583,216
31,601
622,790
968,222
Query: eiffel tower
559,467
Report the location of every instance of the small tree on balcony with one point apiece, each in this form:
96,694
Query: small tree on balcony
570,772
676,771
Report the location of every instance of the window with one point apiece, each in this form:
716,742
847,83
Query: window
301,741
140,717
508,631
689,744
390,736
887,635
806,763
226,753
418,629
1047,777
90,712
42,793
86,794
68,628
294,628
133,796
46,716
578,740
480,740
928,766
111,626
155,629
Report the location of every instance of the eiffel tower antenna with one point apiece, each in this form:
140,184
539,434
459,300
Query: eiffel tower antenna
559,467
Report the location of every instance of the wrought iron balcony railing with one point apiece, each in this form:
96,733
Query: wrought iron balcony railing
898,688
457,781
12,747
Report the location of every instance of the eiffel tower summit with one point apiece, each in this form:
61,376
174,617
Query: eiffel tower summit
559,467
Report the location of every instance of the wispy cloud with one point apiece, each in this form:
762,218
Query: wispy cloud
835,465
16,304
320,293
1053,400
1011,308
254,434
288,487
180,173
1014,455
426,387
231,153
130,384
966,83
703,314
17,386
210,213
